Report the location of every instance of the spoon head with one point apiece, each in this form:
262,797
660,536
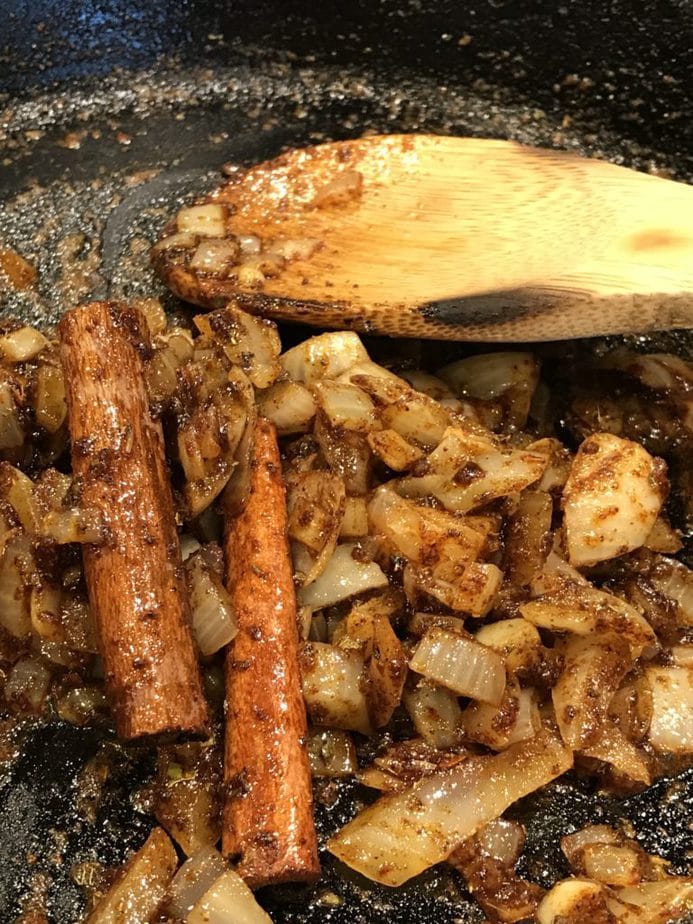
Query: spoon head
408,235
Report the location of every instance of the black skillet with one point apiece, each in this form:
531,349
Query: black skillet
112,110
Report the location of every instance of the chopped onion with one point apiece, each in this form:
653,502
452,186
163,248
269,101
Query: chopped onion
613,865
347,453
612,498
323,357
18,490
299,248
290,406
16,578
491,375
573,901
332,679
473,593
81,705
594,668
516,719
11,433
346,406
355,519
208,220
187,794
461,665
429,385
573,845
346,186
344,576
315,505
394,450
502,840
77,524
435,712
182,240
27,685
612,747
215,256
516,640
192,880
138,893
228,901
403,834
22,344
528,537
213,619
50,406
671,727
655,902
331,753
249,342
673,579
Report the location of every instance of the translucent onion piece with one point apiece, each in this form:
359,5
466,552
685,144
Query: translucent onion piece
213,619
573,845
671,727
516,640
50,407
137,895
435,712
215,256
299,248
16,578
656,902
249,342
528,537
346,406
345,187
573,901
76,524
207,220
613,865
192,880
473,593
228,901
663,537
675,581
403,834
492,375
81,705
612,747
461,665
394,450
187,794
182,240
18,490
557,471
612,498
290,406
503,840
429,385
355,519
516,719
343,577
11,433
332,687
27,685
315,504
593,671
417,418
323,357
22,344
331,753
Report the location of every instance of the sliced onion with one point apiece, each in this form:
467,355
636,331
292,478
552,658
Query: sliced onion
612,498
594,669
557,471
18,490
347,453
143,886
208,220
344,576
181,240
213,619
573,845
315,505
228,901
187,794
473,593
192,880
428,384
493,375
435,712
298,248
331,753
460,664
671,727
394,450
332,687
528,537
516,640
323,357
612,747
346,186
516,719
27,685
403,834
21,345
290,406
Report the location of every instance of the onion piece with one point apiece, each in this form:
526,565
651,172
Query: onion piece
21,345
346,406
673,579
76,524
290,406
489,376
82,705
516,719
461,665
11,432
332,687
528,538
138,893
355,519
17,568
435,713
187,794
192,880
249,342
343,577
612,498
613,865
181,240
594,669
347,453
655,902
671,727
213,619
49,406
331,753
612,747
502,840
473,593
215,256
228,901
207,220
315,506
403,834
573,845
27,685
394,450
517,641
573,901
323,357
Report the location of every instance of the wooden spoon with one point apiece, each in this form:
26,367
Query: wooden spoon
425,236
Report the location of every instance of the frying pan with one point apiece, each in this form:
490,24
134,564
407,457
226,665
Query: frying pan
112,112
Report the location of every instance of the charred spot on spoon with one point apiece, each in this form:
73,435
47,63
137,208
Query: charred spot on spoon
490,307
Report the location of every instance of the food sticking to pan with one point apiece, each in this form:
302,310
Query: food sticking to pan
449,580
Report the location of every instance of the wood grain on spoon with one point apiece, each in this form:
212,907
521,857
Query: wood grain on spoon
135,580
268,826
466,238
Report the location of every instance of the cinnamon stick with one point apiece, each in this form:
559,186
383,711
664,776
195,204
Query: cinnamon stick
268,824
135,579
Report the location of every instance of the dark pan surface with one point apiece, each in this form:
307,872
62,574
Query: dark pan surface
113,111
